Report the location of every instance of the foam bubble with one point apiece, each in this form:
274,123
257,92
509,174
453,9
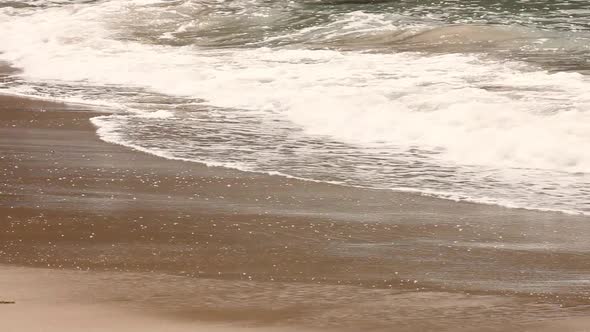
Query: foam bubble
160,114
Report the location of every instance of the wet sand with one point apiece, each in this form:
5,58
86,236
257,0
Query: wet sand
64,302
178,241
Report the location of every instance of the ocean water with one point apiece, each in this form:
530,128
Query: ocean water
482,101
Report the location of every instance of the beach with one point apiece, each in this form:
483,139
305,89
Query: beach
182,243
306,165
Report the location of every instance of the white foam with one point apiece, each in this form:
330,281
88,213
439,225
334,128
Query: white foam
159,114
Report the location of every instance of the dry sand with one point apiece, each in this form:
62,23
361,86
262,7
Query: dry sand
169,242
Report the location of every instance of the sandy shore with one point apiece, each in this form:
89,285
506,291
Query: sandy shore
170,241
67,302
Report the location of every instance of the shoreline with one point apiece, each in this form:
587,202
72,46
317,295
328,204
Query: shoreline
58,105
407,191
444,196
75,202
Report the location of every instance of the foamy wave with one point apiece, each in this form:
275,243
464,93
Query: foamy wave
524,124
110,132
476,112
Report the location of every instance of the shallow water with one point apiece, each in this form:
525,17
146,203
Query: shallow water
479,100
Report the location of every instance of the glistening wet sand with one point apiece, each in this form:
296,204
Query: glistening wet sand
209,244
